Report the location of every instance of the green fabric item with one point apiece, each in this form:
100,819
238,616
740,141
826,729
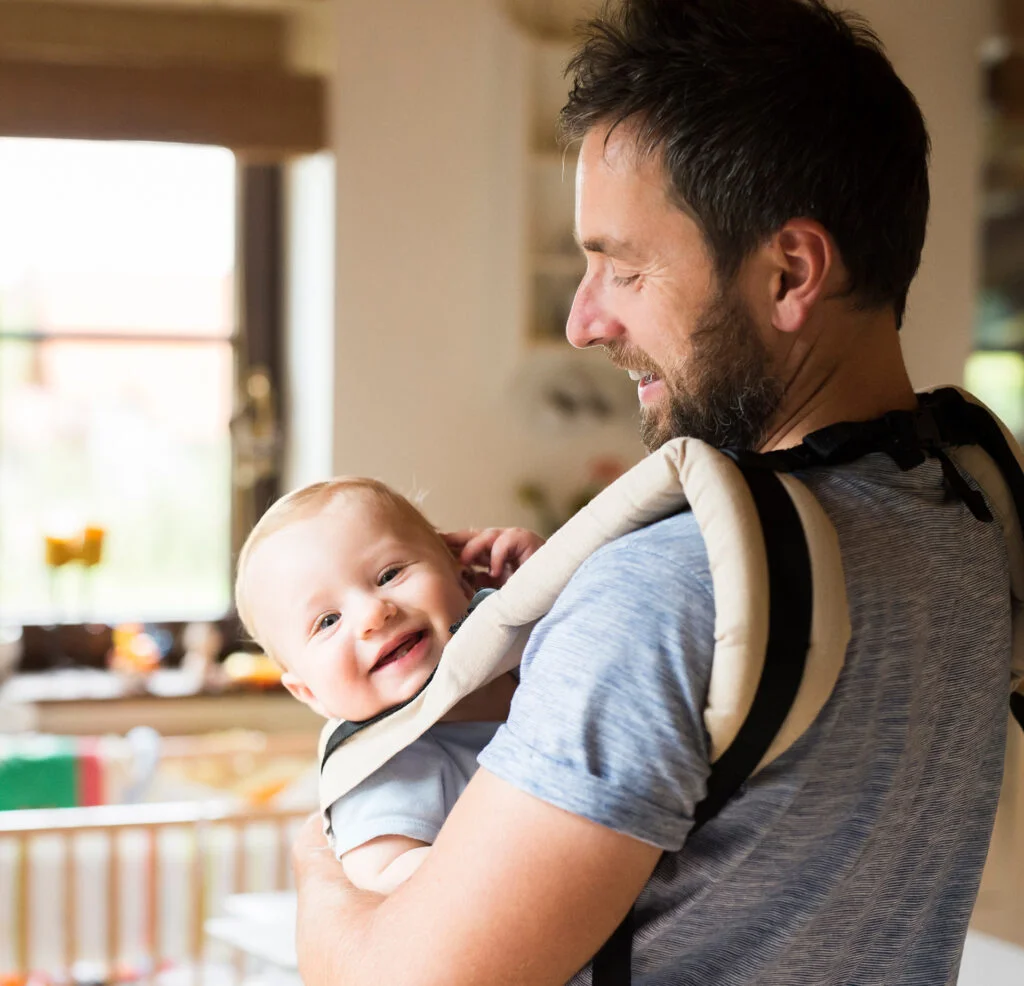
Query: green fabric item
38,772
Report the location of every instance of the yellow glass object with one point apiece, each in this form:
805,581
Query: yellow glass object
92,546
59,551
86,547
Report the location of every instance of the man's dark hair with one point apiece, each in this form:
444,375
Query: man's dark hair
766,111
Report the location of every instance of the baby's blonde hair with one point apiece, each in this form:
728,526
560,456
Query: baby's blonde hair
307,501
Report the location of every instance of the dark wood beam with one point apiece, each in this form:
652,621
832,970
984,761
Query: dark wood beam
31,30
261,113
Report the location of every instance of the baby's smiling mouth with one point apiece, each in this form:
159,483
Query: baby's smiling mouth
397,649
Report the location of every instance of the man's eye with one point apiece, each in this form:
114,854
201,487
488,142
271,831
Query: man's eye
387,575
623,282
326,621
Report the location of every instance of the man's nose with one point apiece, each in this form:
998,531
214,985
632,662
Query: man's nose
372,612
590,323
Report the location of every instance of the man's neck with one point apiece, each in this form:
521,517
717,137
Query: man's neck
853,371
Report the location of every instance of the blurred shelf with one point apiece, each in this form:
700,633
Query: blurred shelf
268,711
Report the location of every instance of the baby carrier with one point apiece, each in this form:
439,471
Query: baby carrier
781,619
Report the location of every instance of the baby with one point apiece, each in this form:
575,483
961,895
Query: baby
353,592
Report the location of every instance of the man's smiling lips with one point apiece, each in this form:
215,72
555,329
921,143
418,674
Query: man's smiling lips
398,648
649,386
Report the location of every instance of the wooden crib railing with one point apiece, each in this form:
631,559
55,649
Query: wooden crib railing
124,890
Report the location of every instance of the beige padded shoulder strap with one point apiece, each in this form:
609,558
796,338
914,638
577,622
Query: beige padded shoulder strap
981,467
683,472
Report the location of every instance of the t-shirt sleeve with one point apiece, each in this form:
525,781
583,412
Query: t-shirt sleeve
404,797
607,721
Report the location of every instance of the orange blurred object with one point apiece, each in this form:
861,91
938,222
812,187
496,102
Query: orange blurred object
91,552
86,546
245,668
134,650
59,551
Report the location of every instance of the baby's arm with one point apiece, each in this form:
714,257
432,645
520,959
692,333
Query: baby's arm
495,552
383,863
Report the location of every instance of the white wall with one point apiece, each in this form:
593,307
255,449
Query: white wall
934,46
988,961
427,349
425,128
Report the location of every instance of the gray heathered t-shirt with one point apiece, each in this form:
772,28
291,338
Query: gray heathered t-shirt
856,857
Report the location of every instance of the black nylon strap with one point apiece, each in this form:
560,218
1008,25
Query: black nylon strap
611,964
942,420
790,601
346,729
1017,707
990,437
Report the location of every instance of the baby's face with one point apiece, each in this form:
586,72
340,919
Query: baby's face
356,602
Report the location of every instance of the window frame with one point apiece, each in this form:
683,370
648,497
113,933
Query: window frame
257,346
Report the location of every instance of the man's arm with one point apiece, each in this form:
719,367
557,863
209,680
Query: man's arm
514,891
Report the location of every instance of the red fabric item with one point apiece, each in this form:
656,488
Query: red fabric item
90,772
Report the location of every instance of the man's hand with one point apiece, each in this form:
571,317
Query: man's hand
323,893
514,892
310,850
493,553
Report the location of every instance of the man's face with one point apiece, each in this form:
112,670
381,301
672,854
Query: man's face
651,298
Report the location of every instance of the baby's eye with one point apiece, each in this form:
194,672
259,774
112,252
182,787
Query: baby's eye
326,621
387,575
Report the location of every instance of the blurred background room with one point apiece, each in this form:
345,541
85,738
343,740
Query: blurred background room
245,244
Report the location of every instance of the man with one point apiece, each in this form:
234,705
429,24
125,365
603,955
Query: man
752,196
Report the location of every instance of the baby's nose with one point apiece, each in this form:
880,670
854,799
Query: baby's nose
374,613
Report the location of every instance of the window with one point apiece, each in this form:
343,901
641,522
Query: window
119,341
995,370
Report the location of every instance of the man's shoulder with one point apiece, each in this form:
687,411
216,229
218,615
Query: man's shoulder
633,596
668,552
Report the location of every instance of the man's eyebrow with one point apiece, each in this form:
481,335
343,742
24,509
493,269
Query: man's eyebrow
609,246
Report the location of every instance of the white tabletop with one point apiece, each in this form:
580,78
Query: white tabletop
260,925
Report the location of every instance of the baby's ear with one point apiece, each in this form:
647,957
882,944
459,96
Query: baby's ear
300,690
466,581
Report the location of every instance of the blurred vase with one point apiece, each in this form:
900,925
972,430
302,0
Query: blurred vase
10,650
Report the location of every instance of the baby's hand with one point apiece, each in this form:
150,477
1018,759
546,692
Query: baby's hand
494,553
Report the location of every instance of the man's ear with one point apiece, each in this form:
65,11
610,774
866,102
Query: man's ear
300,690
805,260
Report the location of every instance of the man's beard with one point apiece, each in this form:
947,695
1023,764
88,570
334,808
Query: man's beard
725,393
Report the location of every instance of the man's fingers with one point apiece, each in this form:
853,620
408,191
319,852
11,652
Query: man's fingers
310,843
